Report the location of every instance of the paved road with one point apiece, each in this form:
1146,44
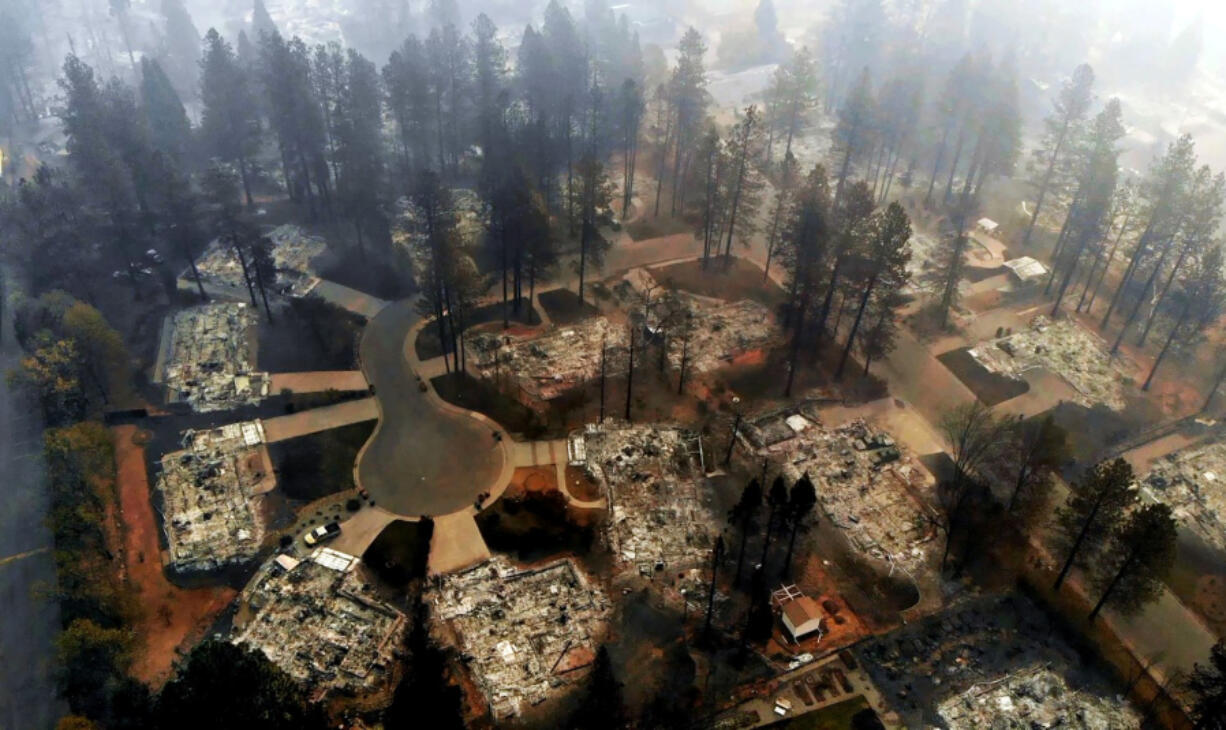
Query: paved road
422,459
28,623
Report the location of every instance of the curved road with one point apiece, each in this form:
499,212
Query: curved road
424,458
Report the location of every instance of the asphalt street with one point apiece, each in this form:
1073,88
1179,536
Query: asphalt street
421,459
29,620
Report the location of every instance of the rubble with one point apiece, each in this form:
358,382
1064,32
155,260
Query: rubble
321,621
210,492
470,220
863,479
523,633
1036,697
209,361
1193,482
544,366
653,478
991,662
292,252
721,332
1064,348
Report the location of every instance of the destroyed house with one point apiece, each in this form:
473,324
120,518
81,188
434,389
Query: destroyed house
523,633
208,358
322,622
652,476
546,365
209,494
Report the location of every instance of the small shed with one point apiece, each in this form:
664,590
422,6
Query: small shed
987,225
1026,270
801,617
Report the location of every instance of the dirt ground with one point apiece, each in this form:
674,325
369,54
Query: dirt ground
580,486
732,282
171,616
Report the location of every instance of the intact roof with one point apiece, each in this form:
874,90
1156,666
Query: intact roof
987,224
1026,268
801,610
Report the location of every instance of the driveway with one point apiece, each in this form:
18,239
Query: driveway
423,458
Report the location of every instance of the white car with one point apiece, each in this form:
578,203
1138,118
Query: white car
322,533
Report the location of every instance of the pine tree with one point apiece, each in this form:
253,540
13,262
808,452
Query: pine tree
1207,685
490,68
295,114
776,502
801,500
1137,560
687,88
229,121
852,132
182,45
784,189
1093,510
851,221
851,42
220,187
595,194
359,129
170,131
743,515
409,101
805,253
1163,191
632,108
1204,294
1069,108
261,22
1202,219
744,182
794,95
1089,216
889,251
449,72
434,251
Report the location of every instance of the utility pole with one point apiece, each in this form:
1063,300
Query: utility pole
716,556
603,352
736,427
630,372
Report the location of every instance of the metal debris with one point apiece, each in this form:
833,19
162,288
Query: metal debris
653,478
522,632
1193,482
322,622
293,251
864,481
209,363
209,493
541,367
1064,348
1035,697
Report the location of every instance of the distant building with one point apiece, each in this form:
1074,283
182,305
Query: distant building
987,225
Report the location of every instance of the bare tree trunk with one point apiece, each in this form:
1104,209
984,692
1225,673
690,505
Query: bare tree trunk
1153,315
851,336
1183,316
1051,167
